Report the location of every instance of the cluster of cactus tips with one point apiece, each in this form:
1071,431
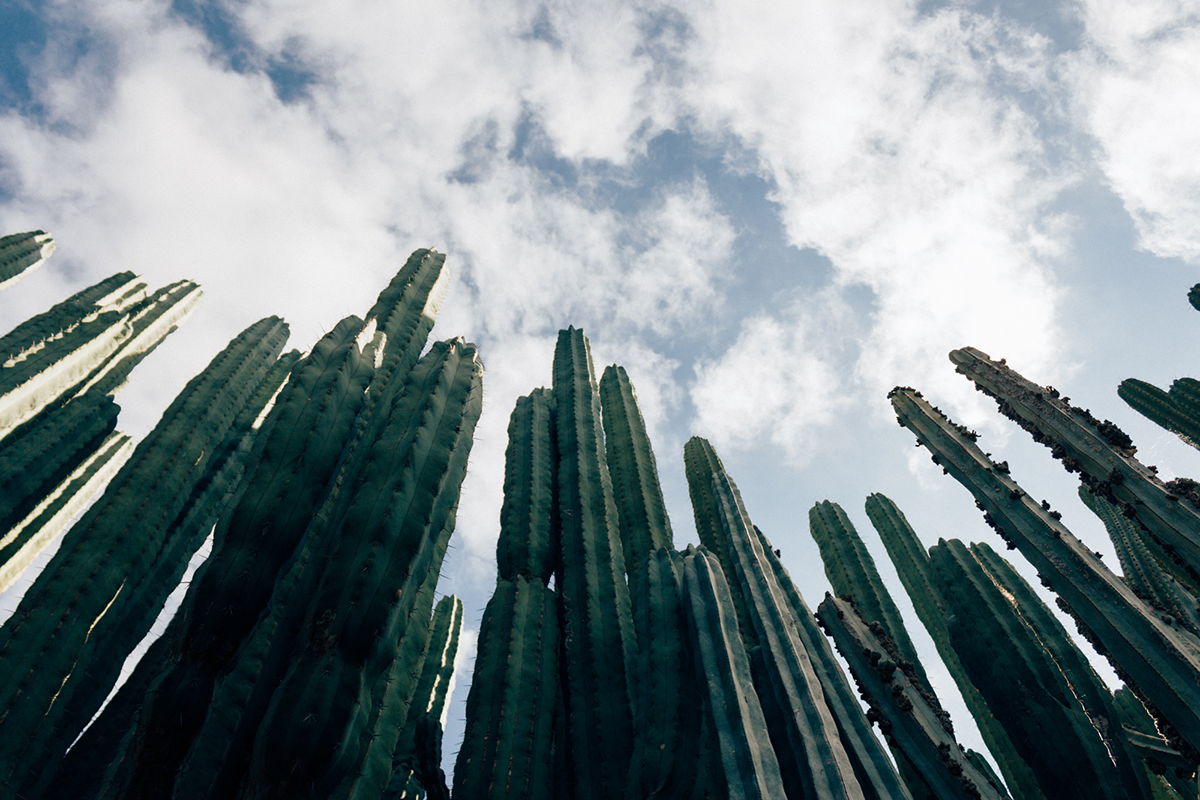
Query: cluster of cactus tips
310,657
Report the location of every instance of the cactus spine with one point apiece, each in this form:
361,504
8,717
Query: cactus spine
1159,658
912,565
21,253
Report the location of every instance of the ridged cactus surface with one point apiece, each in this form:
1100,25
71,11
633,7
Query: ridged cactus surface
1177,409
1160,658
1061,722
21,253
911,560
528,543
106,582
599,650
902,707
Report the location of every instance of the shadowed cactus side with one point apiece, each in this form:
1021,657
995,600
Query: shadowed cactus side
21,253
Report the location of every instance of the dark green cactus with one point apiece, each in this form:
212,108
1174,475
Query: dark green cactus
852,572
598,644
912,565
669,755
1099,451
21,253
98,592
920,730
1042,690
745,763
1146,569
507,746
528,543
91,340
871,765
806,738
1160,658
642,513
1194,296
332,726
1168,410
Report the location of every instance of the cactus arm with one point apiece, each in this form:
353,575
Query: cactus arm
746,757
507,748
1160,659
1102,454
22,253
599,642
851,571
899,705
1194,296
874,771
1160,408
807,743
528,537
642,513
912,565
111,550
33,334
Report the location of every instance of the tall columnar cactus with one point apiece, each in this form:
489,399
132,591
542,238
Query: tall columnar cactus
642,513
806,738
852,572
21,253
921,731
1099,451
528,543
912,565
428,704
99,592
1177,410
745,765
507,746
297,455
1058,715
598,640
669,754
92,339
332,725
871,765
1146,568
1160,658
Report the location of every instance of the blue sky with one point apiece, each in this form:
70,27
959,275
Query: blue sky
769,213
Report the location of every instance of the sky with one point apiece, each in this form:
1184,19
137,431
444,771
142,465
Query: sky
770,213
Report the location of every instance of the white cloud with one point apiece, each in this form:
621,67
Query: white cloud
1137,89
901,151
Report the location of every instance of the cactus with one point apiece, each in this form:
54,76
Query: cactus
1155,656
642,513
851,572
1168,409
97,593
331,727
598,642
1041,688
21,253
92,339
747,766
528,542
429,700
807,742
1148,571
921,731
1194,296
506,749
912,565
1099,451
